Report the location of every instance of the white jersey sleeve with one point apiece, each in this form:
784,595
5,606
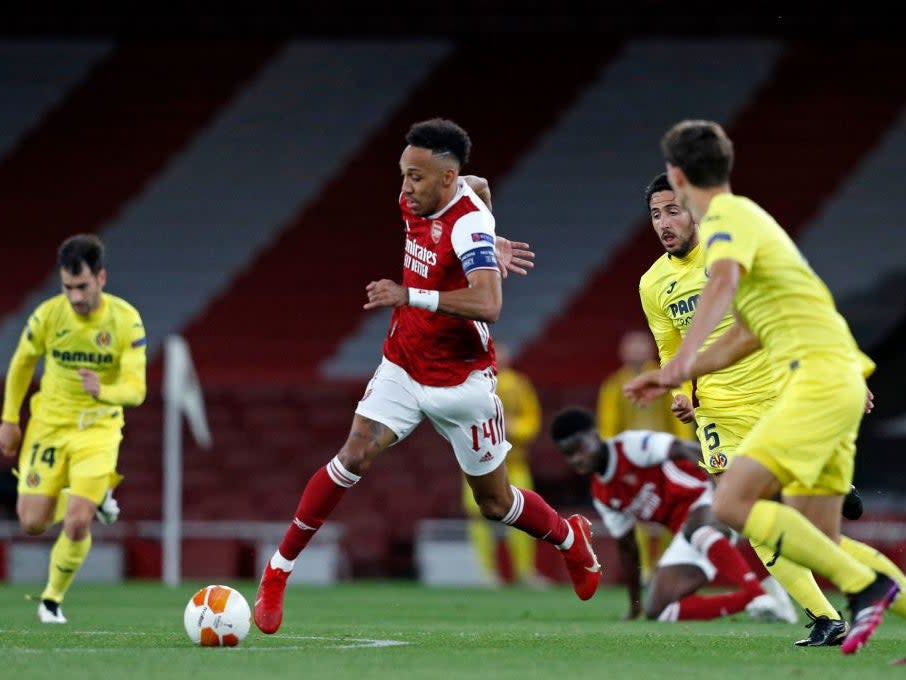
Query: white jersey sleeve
473,240
617,523
645,448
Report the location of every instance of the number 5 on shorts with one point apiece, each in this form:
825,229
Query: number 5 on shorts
711,436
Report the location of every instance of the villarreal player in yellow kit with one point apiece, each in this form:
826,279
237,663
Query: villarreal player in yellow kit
729,402
93,348
805,443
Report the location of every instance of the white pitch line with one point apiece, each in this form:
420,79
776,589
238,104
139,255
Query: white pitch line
348,643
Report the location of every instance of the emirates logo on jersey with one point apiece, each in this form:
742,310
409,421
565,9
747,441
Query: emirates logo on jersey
103,339
437,230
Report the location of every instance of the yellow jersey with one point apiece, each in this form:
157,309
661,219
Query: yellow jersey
779,297
110,341
616,413
522,410
669,291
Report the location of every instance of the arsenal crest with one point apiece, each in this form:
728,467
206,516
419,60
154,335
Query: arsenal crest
437,229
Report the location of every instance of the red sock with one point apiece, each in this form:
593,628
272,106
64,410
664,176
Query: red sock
751,557
323,491
534,516
706,607
730,564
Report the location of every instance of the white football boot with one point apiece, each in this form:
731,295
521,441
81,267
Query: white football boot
108,509
50,614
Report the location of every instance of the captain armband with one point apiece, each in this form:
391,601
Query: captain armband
424,299
479,258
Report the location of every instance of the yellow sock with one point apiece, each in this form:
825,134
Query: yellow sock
880,563
643,539
663,543
66,557
484,542
798,581
791,535
522,553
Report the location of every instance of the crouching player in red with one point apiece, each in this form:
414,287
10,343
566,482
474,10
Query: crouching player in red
640,475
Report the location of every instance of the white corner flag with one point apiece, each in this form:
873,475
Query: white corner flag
182,396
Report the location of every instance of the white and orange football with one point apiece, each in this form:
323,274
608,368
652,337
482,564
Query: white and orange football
217,616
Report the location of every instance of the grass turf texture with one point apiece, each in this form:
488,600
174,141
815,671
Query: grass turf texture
135,631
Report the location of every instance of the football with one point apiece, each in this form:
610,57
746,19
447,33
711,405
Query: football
217,616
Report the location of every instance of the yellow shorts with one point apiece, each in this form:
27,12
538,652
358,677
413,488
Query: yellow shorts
54,457
808,437
520,475
720,430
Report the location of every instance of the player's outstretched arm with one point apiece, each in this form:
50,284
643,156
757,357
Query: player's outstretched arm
481,301
645,388
715,300
513,256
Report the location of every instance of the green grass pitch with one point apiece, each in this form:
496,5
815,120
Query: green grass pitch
402,630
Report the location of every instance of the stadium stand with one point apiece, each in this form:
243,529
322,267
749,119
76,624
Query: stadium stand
219,224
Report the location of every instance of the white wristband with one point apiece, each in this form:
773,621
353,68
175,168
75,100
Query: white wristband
424,299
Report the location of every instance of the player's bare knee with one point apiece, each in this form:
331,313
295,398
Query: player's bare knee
33,520
354,458
33,526
493,508
358,453
76,531
730,512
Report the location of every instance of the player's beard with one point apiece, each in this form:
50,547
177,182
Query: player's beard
683,248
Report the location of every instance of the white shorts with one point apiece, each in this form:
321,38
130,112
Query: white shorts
468,415
681,551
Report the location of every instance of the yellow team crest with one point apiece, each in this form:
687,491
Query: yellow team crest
718,460
103,339
32,479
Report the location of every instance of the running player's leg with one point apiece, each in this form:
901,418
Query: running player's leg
739,504
823,508
91,456
470,417
720,435
386,414
522,547
42,470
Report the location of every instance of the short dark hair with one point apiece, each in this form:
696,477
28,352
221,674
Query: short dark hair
81,249
701,149
659,183
571,421
441,136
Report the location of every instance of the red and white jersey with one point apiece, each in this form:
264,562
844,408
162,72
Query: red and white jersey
642,483
439,350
